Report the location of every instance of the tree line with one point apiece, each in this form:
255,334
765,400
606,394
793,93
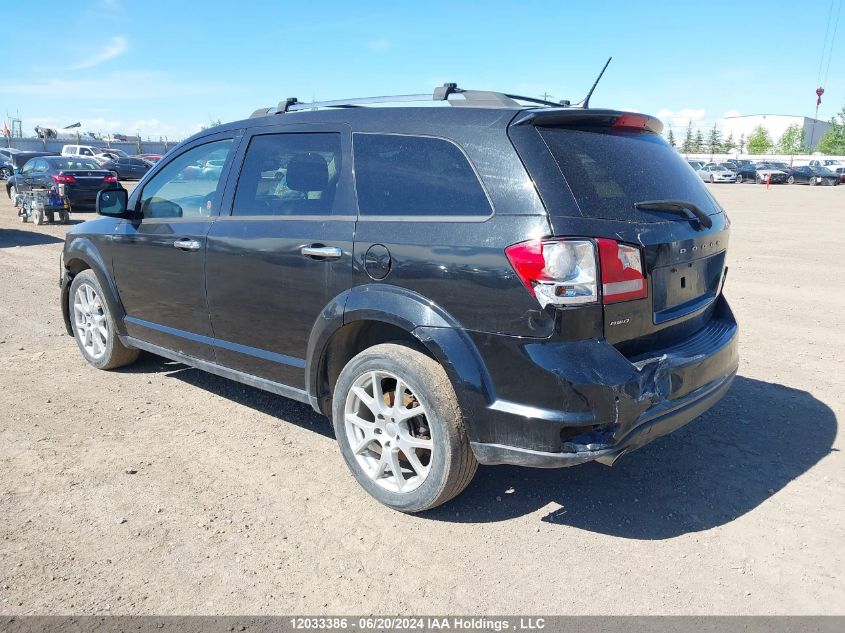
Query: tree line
792,141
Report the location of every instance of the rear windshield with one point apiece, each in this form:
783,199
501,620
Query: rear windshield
72,162
608,170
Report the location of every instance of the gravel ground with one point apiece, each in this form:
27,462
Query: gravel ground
163,490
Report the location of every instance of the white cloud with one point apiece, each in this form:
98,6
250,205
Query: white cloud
379,44
115,47
682,117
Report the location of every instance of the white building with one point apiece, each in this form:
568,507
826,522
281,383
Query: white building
775,124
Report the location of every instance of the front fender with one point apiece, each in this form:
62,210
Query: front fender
432,326
81,254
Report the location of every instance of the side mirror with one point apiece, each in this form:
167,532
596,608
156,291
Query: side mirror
113,203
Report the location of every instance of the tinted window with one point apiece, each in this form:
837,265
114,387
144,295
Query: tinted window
182,188
417,176
608,170
288,174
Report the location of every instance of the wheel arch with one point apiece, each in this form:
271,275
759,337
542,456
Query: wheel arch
81,254
380,313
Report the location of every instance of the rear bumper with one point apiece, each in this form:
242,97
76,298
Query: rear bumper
656,422
561,403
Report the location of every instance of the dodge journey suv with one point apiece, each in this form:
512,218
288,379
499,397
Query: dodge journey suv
498,280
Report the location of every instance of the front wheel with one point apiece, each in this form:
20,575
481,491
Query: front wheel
13,191
812,182
791,180
739,178
93,325
400,428
712,179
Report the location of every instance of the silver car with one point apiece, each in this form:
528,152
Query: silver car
712,172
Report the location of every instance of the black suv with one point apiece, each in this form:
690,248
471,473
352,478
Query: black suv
494,282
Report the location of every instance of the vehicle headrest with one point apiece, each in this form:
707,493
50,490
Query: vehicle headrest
307,172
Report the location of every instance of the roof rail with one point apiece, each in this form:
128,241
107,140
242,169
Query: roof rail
448,92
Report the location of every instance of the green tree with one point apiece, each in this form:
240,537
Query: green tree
214,123
792,140
729,143
698,143
714,140
671,137
833,141
686,146
759,141
741,143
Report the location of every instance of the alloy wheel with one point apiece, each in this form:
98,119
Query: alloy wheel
89,317
388,431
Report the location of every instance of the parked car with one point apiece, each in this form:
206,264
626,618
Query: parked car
80,179
729,166
536,285
17,161
807,175
830,163
841,172
212,168
771,173
150,158
107,154
716,173
695,164
127,168
81,150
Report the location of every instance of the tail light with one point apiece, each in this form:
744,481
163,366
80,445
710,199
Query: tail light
111,178
564,272
63,179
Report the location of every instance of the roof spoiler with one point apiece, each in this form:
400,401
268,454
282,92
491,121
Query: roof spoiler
576,117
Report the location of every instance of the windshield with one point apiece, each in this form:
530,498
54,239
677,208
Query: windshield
610,169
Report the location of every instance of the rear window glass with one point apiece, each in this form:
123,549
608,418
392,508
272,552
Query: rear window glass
74,163
415,176
608,170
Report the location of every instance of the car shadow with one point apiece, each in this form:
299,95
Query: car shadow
759,438
10,238
722,465
284,409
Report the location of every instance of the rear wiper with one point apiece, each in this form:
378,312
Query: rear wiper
676,206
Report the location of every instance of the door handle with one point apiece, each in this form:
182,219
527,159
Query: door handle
187,244
323,252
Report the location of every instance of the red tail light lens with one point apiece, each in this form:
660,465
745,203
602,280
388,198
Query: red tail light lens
63,179
564,272
621,272
557,271
110,178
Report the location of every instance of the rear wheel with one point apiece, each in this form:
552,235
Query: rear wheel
400,428
93,325
791,180
712,179
812,182
739,178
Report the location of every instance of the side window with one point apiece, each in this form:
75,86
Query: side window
84,151
28,168
183,188
289,174
415,176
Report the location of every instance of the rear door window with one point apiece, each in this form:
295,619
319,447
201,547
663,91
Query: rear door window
608,170
415,176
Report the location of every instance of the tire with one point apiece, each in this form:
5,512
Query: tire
37,215
758,180
12,191
64,217
739,178
445,463
812,182
712,179
92,322
791,180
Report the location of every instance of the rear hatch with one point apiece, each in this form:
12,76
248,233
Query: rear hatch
87,179
610,174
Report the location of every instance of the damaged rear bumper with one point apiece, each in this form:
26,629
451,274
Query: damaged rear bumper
562,403
656,422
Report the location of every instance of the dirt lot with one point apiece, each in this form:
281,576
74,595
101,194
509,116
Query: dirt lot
242,504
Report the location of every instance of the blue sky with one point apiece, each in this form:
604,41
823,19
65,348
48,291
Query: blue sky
164,68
